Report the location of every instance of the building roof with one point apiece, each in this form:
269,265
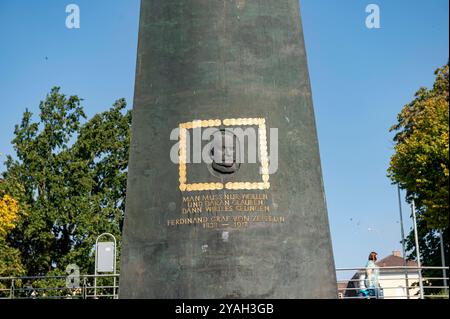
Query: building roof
395,260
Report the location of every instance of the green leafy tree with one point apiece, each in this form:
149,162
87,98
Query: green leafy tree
420,164
74,178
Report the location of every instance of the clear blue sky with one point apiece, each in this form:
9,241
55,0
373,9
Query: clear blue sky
360,78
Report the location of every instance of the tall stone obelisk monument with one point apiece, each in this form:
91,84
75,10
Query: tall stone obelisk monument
247,226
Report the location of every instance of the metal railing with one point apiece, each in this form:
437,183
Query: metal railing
395,283
60,287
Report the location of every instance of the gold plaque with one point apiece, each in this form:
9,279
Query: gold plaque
243,185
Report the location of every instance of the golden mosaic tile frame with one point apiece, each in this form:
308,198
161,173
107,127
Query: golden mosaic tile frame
262,132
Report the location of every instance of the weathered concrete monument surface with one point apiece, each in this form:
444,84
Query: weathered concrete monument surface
230,229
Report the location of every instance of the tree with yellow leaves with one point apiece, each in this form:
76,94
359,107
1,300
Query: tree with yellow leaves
420,164
9,210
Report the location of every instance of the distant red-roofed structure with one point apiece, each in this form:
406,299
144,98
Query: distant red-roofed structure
395,260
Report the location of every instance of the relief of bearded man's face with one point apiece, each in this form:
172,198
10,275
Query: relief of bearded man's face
224,153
